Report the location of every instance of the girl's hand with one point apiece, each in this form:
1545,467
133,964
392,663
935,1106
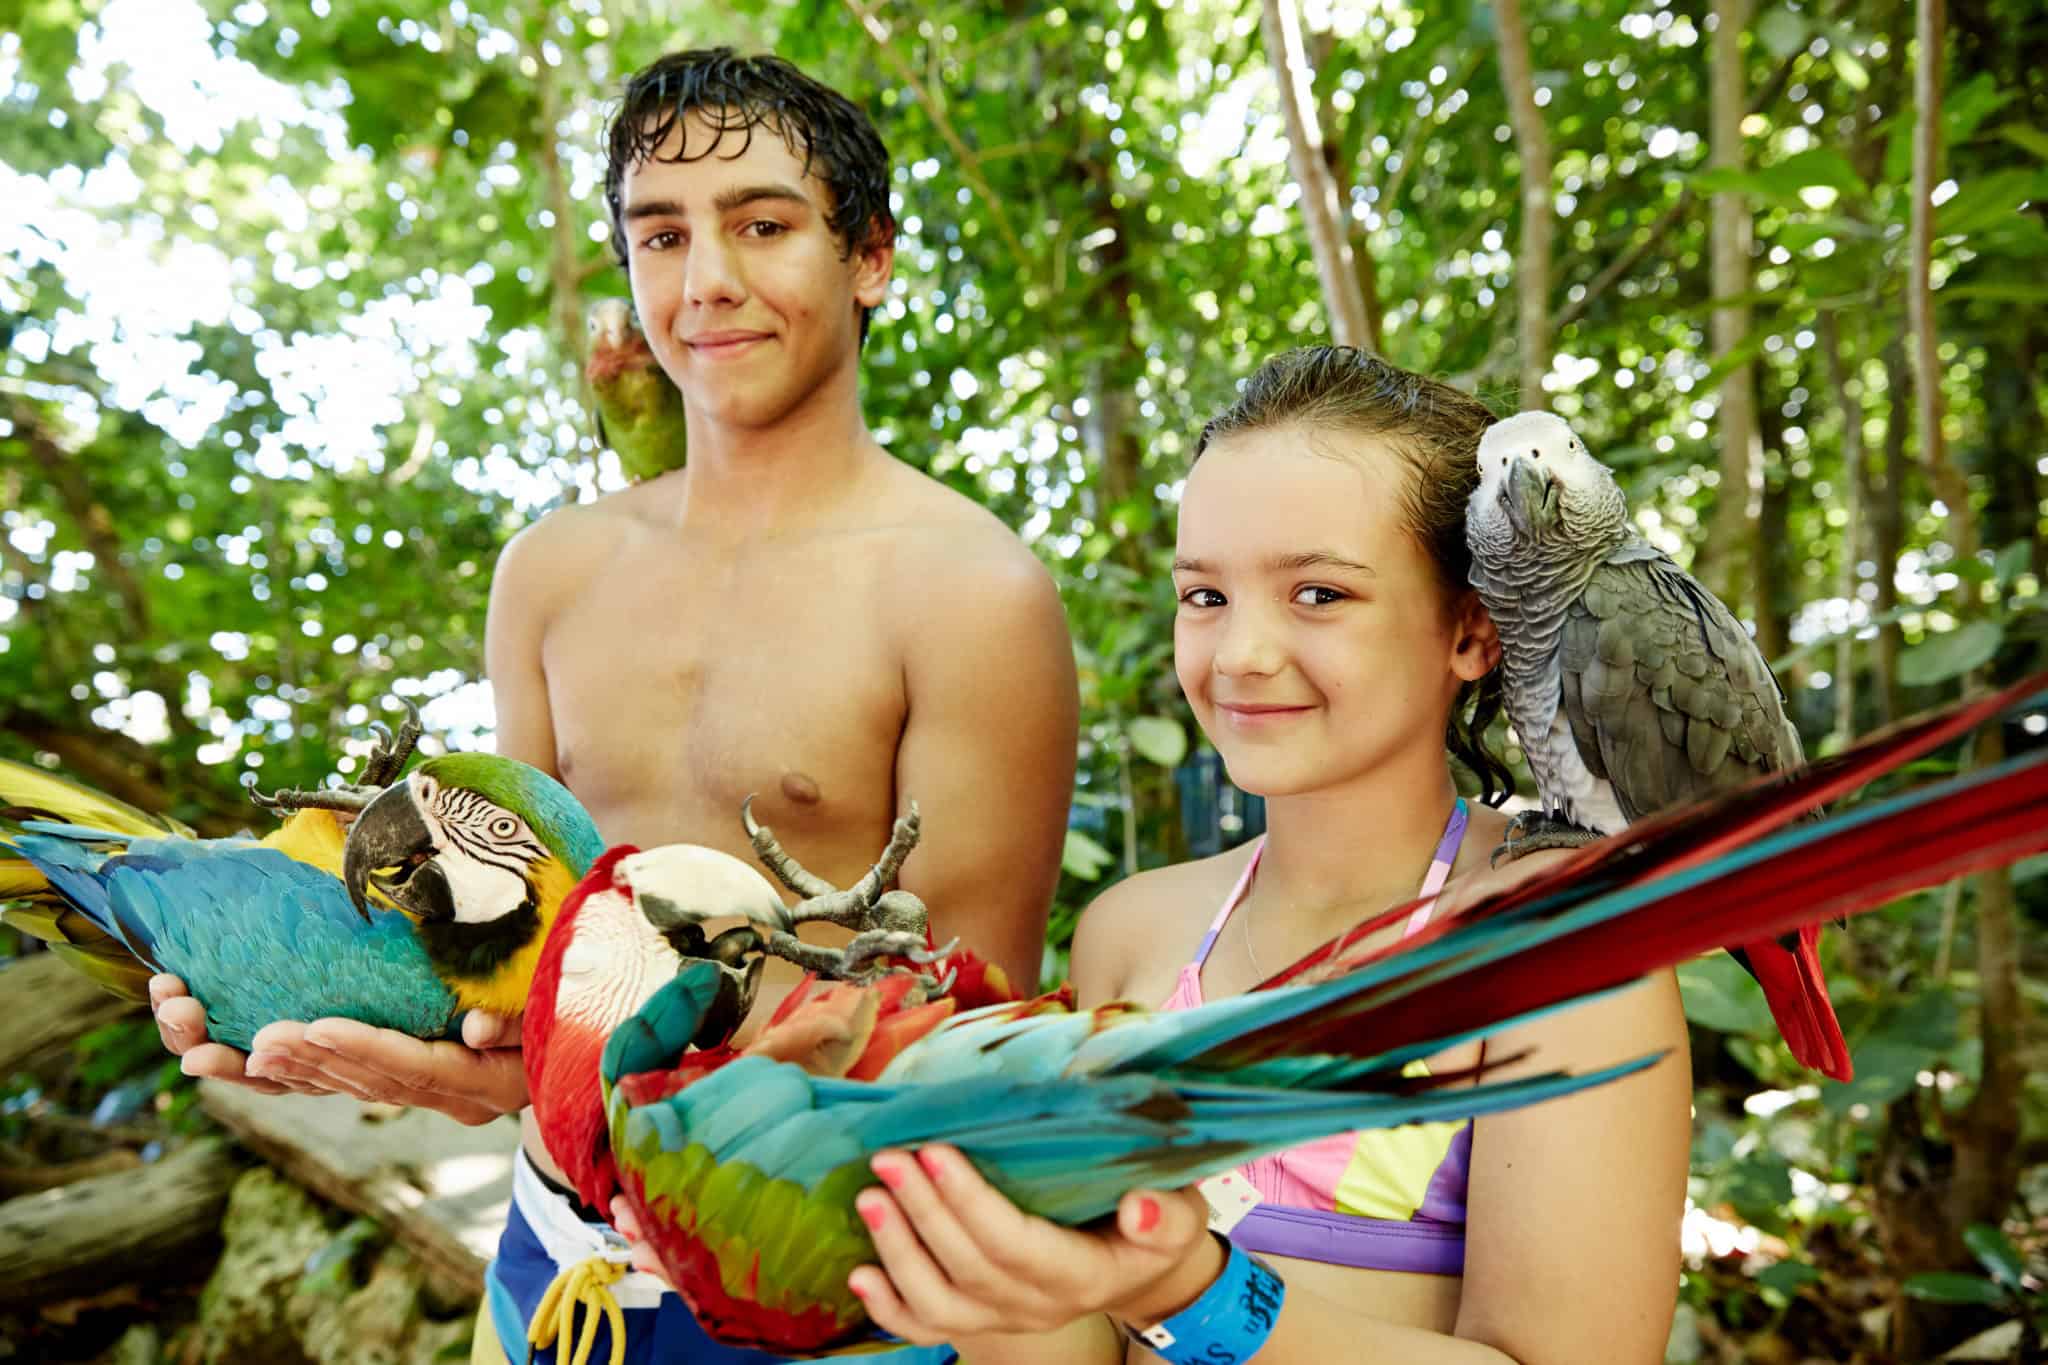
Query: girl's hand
629,1228
960,1260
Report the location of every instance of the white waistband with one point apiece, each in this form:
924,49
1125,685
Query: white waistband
567,1239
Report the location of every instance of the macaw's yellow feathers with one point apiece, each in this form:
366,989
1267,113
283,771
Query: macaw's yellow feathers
28,793
502,989
314,837
80,942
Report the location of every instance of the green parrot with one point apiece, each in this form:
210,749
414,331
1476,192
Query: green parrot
639,409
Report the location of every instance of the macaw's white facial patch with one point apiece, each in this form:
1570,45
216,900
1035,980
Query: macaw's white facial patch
614,963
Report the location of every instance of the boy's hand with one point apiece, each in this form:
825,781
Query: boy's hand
471,1082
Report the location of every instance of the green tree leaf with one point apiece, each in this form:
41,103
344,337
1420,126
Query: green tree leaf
1996,1253
1719,995
1783,32
1159,739
1948,1286
1083,857
1952,654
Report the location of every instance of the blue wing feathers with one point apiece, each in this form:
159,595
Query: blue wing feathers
257,935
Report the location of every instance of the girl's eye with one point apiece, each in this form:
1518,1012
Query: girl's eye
1201,597
1317,597
765,227
661,241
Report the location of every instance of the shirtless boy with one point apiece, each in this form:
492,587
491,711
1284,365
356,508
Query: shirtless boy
796,614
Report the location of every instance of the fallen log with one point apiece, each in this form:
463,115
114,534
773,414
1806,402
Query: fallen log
47,1006
111,1228
30,1177
442,1190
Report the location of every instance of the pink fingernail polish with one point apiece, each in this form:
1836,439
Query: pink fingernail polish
1148,1214
929,1159
858,1291
890,1174
871,1213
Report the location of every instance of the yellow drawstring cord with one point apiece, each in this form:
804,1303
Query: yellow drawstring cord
588,1283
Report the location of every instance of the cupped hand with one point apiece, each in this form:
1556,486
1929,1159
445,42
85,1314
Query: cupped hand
628,1227
181,1024
959,1260
472,1081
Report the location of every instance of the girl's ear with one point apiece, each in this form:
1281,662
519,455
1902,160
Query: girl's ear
1475,644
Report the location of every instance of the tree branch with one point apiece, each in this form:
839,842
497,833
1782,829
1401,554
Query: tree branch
969,164
1322,212
1728,569
1930,21
87,513
1625,264
1532,145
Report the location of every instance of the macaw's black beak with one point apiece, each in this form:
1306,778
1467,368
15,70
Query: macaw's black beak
390,847
736,988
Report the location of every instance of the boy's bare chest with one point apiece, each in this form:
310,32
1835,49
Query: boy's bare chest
679,685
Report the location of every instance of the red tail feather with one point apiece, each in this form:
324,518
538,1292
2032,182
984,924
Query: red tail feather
1797,993
1686,836
1980,821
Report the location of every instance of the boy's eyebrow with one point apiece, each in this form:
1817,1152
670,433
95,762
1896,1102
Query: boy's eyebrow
1305,559
725,202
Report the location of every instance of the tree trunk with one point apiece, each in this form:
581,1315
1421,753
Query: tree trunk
1855,482
1988,1136
1740,497
565,276
1770,538
1532,146
1363,267
1323,211
1888,523
1949,484
1977,1179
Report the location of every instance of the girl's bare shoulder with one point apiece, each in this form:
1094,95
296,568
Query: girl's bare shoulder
1139,932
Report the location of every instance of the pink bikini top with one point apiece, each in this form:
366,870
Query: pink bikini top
1378,1199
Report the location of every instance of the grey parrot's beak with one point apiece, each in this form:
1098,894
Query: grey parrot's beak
390,847
1529,493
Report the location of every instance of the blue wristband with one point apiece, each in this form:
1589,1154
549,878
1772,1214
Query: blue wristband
1229,1323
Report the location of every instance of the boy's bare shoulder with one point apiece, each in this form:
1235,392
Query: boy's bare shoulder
944,536
571,540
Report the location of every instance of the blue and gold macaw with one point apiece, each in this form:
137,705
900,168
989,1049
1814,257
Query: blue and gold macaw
470,855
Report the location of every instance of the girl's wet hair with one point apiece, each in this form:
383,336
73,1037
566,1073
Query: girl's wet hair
836,141
1435,428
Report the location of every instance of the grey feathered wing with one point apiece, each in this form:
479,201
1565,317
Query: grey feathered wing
1668,697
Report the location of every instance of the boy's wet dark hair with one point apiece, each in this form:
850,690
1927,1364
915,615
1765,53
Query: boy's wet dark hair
837,142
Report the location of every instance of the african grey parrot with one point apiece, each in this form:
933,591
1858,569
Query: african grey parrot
1630,686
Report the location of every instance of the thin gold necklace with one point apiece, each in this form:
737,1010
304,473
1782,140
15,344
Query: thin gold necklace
1245,916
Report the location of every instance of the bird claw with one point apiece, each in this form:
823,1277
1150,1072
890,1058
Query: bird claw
385,761
348,799
863,907
889,926
1535,830
392,751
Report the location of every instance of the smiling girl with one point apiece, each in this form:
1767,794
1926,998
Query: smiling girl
1332,652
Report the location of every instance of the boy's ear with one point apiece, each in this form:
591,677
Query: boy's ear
1475,647
873,263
